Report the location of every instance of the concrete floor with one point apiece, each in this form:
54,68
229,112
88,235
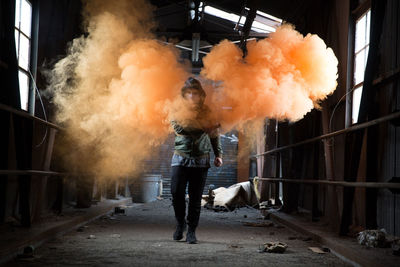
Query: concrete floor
143,237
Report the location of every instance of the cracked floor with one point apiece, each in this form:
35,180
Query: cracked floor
143,237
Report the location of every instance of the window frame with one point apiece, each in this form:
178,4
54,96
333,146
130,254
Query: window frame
360,10
18,31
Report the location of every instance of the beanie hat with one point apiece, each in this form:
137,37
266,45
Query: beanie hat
192,83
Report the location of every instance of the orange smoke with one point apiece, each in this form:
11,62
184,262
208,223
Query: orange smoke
282,77
113,90
118,88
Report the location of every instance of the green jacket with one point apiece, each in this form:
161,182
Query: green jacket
194,142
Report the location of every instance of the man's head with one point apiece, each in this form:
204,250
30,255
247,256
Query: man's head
193,92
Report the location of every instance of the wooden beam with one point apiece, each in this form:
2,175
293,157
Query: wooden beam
333,183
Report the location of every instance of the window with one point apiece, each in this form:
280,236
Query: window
263,22
23,21
361,47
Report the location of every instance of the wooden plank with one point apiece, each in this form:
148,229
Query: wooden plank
349,130
334,183
24,114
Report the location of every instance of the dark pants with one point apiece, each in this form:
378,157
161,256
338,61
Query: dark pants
196,178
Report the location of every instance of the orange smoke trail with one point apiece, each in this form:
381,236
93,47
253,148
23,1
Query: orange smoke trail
113,90
282,77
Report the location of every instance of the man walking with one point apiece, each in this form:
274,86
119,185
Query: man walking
191,159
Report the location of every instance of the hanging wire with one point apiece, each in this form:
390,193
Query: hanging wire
43,109
331,140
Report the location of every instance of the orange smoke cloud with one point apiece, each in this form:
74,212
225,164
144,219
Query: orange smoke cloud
113,90
282,77
118,88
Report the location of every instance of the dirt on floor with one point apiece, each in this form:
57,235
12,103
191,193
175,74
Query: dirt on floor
143,237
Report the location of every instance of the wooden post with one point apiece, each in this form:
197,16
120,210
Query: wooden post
23,128
332,206
6,133
270,166
243,159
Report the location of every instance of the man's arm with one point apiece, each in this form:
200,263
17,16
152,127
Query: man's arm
179,130
216,145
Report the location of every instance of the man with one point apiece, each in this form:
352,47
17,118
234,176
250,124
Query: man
194,139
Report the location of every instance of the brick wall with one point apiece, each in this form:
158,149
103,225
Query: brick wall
222,176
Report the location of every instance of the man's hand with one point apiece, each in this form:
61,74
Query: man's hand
218,161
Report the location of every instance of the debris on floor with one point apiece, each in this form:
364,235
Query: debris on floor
28,254
119,210
228,199
325,249
81,228
146,240
265,205
29,250
91,237
396,247
317,250
373,238
234,246
273,247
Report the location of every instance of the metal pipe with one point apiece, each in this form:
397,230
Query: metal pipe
189,49
195,47
343,131
234,42
334,183
34,56
182,47
29,116
32,172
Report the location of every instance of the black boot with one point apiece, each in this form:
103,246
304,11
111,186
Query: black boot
191,236
180,228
